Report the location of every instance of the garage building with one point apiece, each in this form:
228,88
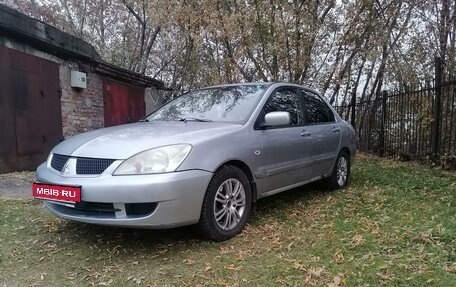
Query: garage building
54,85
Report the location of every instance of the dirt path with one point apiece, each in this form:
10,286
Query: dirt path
16,184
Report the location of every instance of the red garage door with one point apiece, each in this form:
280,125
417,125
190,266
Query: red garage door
30,114
122,103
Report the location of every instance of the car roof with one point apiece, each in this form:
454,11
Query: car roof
267,84
240,84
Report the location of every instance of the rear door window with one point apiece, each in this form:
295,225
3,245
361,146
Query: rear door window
315,110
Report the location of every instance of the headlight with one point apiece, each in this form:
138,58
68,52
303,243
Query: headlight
156,160
49,159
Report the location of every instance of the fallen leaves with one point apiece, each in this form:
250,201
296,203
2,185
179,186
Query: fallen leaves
232,267
339,257
356,240
188,261
368,234
386,273
136,279
42,276
105,283
313,276
338,280
450,267
315,272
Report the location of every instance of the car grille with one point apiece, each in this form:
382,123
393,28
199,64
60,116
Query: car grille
90,166
87,209
99,208
58,161
104,209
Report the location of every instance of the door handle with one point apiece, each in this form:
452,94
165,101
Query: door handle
305,134
336,130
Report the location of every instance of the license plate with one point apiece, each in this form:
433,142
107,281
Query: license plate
70,194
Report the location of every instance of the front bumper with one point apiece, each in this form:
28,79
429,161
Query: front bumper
177,197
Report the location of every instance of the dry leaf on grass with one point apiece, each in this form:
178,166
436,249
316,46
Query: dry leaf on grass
338,280
104,283
356,240
339,257
232,267
385,275
188,261
316,272
451,268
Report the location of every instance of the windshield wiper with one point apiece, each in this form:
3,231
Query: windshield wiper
194,119
143,120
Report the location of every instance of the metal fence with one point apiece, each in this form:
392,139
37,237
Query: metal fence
416,123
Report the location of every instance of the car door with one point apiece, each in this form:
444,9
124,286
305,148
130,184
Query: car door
281,160
324,133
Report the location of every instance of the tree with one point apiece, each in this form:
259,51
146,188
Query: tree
348,50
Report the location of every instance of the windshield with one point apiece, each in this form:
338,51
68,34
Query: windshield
220,104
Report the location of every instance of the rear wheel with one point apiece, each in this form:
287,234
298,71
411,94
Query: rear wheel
341,171
226,205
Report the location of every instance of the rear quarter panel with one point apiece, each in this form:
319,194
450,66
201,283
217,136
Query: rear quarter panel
349,140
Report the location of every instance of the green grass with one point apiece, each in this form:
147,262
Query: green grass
395,225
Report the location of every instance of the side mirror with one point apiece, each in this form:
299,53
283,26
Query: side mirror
277,119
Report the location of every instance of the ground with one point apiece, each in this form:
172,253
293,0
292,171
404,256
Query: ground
394,225
16,184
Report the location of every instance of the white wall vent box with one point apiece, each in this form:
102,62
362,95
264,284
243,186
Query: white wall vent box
78,80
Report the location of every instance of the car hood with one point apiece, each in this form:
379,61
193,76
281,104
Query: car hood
122,142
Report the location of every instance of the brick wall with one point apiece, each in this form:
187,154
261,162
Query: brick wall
82,109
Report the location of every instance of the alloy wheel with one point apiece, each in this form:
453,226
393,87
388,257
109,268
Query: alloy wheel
342,171
229,204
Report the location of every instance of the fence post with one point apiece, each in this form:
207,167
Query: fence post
353,111
437,106
382,124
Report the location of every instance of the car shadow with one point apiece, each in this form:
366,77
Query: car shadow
285,200
182,238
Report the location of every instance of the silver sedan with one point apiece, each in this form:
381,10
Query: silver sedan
203,158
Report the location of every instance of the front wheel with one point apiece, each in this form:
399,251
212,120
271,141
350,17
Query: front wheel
226,205
341,171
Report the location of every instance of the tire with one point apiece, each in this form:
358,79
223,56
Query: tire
341,172
226,204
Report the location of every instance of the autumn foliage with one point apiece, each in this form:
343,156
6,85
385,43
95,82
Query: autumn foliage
342,48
